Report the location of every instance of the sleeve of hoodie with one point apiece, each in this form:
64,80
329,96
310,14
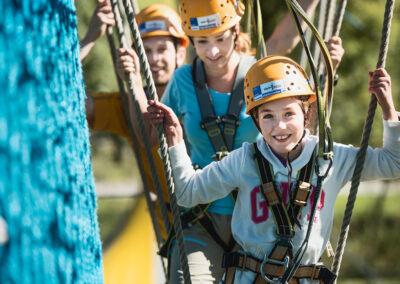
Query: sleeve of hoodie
380,163
213,182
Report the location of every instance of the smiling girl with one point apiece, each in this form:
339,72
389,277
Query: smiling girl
272,210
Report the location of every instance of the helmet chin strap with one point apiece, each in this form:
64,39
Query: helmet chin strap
289,166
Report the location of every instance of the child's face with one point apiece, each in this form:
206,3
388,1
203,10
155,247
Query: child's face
282,125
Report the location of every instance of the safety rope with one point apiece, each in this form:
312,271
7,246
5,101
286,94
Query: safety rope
163,143
122,41
325,135
384,44
326,31
125,104
339,17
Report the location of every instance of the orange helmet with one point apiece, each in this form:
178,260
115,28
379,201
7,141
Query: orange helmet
160,20
204,18
275,77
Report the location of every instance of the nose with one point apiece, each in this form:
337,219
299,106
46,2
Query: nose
281,124
213,51
153,57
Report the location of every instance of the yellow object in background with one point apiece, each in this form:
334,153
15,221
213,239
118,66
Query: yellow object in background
130,259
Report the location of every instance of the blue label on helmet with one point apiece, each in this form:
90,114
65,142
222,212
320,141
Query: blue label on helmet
206,22
268,89
151,26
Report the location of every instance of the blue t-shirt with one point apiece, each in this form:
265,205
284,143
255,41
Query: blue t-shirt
180,95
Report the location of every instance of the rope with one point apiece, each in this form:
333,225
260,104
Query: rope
163,144
339,17
122,41
136,149
364,142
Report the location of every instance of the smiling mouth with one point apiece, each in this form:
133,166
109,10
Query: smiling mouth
156,69
214,59
281,138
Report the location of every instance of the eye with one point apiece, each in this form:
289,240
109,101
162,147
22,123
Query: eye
289,113
267,116
201,41
162,49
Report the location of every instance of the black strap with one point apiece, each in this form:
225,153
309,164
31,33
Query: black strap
222,142
284,219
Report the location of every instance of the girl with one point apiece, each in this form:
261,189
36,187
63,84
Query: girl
278,96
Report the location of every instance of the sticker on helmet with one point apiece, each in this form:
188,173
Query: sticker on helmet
206,22
268,89
151,26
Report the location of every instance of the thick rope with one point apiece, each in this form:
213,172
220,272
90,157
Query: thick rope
122,41
364,142
163,143
339,17
135,146
323,4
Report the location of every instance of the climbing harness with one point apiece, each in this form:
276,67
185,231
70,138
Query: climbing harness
221,142
274,265
355,181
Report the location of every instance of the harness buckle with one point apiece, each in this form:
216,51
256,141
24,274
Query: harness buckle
243,267
210,121
284,263
219,155
314,270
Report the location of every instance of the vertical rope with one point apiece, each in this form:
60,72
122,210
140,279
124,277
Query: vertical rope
339,17
135,145
139,118
163,144
364,142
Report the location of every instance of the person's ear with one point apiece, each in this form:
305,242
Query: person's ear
180,55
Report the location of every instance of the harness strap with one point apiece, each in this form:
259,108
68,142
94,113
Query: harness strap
222,142
285,217
237,260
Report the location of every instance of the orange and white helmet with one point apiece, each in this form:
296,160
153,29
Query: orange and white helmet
204,18
275,77
160,20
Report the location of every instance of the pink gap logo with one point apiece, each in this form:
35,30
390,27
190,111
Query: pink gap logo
259,207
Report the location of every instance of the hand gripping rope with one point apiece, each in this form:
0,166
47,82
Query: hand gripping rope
161,137
384,45
156,181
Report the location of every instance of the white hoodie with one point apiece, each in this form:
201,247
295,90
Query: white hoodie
253,225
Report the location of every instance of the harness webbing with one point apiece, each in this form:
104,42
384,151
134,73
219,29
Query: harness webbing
122,43
355,181
163,143
222,142
285,216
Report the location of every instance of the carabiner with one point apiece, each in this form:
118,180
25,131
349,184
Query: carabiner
284,263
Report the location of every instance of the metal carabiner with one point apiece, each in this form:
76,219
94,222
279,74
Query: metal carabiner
284,263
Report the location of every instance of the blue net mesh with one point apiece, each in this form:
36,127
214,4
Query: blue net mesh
46,184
